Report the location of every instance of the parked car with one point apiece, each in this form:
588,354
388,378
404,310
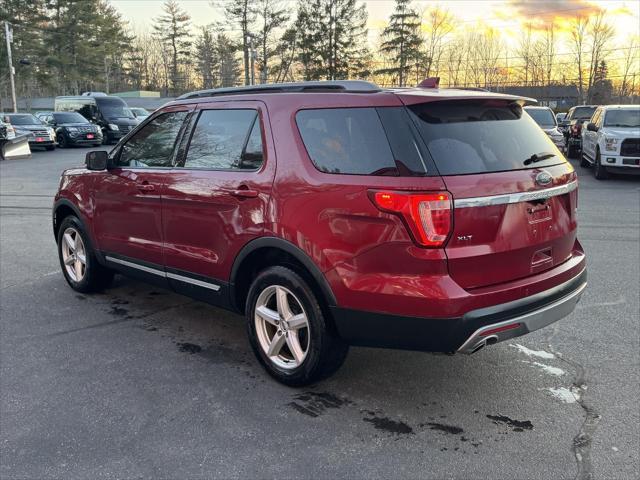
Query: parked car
110,113
140,113
611,140
39,134
545,118
576,116
72,129
425,219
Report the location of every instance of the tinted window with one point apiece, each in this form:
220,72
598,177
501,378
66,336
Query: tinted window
219,139
583,113
346,140
113,108
542,117
481,136
622,118
70,117
25,119
153,145
253,156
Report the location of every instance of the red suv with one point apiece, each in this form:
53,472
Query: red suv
333,214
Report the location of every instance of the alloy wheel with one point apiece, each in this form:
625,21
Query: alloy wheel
282,327
74,255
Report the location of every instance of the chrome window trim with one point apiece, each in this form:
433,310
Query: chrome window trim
515,197
160,273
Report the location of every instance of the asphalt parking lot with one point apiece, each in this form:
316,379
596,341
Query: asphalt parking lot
140,382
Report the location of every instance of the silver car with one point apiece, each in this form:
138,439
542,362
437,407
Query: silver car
545,117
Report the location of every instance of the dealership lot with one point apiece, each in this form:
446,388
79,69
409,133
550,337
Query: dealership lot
140,382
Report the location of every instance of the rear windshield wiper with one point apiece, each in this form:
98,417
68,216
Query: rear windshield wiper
537,157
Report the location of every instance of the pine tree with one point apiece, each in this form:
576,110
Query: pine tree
208,64
229,66
173,27
333,38
243,14
401,41
271,16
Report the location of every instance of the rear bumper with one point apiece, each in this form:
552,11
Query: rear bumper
465,334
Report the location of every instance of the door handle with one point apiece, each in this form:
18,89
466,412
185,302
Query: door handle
244,193
145,187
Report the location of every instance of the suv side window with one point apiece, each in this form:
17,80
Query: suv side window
346,140
153,144
363,141
226,139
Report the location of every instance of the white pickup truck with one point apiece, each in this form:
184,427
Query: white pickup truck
611,140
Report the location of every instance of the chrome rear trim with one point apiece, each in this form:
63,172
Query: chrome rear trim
515,197
526,323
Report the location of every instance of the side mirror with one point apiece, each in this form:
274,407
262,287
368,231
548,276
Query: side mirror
97,160
592,127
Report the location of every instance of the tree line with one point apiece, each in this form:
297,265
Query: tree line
71,46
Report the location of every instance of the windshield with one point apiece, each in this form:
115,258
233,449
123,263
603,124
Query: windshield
70,117
113,108
542,117
140,112
622,118
583,113
479,136
24,119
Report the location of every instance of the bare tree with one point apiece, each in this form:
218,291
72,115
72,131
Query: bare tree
525,51
578,43
630,62
439,25
455,59
600,33
272,16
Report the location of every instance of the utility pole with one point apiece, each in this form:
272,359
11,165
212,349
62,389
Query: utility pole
8,35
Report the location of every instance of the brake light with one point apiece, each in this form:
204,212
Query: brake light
427,215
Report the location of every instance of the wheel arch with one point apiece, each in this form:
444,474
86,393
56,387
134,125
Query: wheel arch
270,251
63,208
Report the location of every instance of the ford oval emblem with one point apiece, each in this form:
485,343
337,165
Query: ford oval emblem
543,178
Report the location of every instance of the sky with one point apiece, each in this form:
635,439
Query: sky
506,15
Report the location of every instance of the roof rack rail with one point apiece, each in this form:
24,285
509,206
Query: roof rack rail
347,86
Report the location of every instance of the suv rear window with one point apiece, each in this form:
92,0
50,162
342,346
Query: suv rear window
583,113
479,136
362,141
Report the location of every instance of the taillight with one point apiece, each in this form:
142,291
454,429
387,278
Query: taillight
428,215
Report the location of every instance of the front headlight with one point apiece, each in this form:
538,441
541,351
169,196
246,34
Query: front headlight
611,144
113,127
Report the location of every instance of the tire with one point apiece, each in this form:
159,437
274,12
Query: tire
87,277
62,141
297,322
599,171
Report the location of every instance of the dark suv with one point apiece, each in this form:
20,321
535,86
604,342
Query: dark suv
572,130
333,214
72,129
